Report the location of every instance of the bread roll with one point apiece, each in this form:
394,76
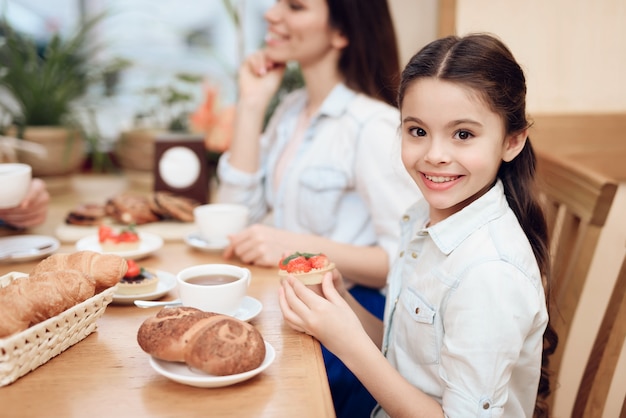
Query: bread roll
216,344
105,269
224,345
164,335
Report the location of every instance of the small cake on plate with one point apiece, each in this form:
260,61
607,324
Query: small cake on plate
309,268
137,281
125,240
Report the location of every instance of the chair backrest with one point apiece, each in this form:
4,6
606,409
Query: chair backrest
605,353
577,202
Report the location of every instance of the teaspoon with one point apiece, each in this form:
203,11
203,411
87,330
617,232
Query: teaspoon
152,304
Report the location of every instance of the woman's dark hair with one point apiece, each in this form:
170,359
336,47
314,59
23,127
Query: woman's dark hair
484,64
369,62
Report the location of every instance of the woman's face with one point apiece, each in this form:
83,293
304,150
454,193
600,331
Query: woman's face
452,144
298,30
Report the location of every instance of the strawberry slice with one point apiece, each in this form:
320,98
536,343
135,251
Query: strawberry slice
298,264
318,261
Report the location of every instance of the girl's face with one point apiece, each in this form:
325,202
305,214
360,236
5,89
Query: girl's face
452,144
298,30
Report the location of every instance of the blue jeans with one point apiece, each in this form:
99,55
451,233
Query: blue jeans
350,398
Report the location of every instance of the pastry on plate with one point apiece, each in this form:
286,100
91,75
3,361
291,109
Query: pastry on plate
309,268
137,280
127,239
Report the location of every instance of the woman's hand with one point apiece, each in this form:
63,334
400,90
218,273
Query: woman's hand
329,318
261,245
259,79
32,210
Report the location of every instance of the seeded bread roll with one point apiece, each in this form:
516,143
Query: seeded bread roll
216,344
164,336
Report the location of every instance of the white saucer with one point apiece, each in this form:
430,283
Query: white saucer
249,309
149,244
196,241
167,282
27,247
181,373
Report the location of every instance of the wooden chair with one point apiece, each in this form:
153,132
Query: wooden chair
577,202
605,353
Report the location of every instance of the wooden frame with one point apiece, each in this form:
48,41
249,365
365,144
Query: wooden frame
577,202
605,353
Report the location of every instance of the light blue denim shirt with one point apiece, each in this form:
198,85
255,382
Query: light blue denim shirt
466,310
346,182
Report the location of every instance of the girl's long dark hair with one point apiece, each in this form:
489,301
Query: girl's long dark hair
369,62
485,64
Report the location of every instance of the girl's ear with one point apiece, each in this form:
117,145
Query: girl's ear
513,145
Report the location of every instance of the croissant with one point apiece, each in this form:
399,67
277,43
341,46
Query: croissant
28,301
216,344
54,285
105,269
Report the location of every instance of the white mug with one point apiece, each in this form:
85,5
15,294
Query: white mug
14,183
216,221
218,288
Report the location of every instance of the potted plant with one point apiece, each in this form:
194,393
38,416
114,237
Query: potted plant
43,88
168,108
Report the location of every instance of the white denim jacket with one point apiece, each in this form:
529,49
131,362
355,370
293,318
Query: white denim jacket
346,182
466,310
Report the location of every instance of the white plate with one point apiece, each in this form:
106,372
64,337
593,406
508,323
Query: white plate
181,373
149,244
27,247
196,241
167,282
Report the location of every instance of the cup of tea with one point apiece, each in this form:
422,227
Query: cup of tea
216,221
218,288
15,180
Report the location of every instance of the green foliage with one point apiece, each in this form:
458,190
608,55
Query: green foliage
45,84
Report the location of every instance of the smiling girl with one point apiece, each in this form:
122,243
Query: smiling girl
466,312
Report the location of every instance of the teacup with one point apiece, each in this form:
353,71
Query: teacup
216,221
15,179
218,288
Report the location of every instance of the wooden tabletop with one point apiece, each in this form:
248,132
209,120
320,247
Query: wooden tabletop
108,375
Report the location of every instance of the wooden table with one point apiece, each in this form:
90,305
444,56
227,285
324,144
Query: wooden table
108,375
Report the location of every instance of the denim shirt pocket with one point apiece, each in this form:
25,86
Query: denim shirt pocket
319,196
420,332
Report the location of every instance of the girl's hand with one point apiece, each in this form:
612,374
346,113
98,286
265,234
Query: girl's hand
259,79
329,318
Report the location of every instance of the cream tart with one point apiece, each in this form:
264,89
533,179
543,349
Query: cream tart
309,268
137,281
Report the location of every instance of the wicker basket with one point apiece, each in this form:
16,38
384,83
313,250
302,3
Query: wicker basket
25,351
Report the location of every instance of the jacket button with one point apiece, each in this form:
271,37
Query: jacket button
414,255
417,311
486,405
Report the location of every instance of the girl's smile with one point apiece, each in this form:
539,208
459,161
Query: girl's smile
452,144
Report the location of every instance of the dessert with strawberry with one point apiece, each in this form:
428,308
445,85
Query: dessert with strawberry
126,239
309,268
137,280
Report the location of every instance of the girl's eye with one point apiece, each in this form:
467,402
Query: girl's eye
295,5
463,135
417,132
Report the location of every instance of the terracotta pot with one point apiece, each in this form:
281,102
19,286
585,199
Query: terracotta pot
65,150
134,149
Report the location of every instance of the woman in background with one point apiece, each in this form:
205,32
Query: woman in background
324,176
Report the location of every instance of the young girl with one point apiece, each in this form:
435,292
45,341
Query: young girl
466,310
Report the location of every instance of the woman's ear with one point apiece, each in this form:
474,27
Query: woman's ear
339,40
513,145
